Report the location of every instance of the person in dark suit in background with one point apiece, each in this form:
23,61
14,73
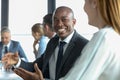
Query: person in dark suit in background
63,24
8,45
47,26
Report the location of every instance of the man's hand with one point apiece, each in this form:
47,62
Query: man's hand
10,59
26,75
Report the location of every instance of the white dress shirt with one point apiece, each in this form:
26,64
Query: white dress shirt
100,58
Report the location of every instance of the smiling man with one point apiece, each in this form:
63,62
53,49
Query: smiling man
63,24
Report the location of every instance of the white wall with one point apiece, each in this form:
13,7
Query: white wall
23,14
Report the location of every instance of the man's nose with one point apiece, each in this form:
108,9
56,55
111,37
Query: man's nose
60,23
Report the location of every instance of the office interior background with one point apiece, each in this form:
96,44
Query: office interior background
20,15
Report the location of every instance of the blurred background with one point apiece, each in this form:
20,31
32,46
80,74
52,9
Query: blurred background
20,15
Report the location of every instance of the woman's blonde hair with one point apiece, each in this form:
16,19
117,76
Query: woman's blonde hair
110,11
38,28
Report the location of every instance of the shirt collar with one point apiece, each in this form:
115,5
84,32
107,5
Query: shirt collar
7,44
67,39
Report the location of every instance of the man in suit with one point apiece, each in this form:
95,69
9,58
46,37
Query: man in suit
63,24
47,26
8,45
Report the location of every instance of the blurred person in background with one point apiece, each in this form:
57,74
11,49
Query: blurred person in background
8,45
40,39
47,26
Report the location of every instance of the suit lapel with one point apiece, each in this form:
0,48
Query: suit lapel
49,51
66,55
67,52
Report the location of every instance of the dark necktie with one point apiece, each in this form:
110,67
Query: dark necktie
60,55
6,50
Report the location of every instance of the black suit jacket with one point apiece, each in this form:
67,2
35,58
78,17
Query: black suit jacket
72,52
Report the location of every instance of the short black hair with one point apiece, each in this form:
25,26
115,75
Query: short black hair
47,19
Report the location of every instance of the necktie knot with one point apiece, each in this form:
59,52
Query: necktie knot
62,43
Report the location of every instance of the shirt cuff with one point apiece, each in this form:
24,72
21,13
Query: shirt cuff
18,64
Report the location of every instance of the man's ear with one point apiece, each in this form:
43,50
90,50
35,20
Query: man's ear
74,21
46,26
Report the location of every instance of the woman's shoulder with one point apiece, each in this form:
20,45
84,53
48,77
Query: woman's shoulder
44,39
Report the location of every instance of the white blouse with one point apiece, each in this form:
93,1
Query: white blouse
100,59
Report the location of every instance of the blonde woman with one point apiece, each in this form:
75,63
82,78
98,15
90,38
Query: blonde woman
100,58
39,38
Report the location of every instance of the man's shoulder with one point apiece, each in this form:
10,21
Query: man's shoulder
78,37
15,42
78,40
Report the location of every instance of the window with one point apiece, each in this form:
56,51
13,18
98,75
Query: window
22,15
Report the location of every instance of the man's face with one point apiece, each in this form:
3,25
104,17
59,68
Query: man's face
5,37
63,22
